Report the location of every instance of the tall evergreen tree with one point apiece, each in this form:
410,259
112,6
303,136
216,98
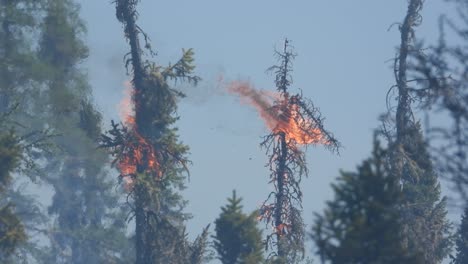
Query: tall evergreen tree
362,224
18,66
425,227
20,76
461,241
149,154
83,202
238,240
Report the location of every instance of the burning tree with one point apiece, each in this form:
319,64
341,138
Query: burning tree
148,153
294,122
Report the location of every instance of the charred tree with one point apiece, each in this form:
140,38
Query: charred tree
425,227
297,123
148,153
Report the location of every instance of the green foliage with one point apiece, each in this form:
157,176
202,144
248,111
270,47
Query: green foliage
62,46
10,154
425,226
84,207
461,241
362,223
18,65
238,240
11,232
11,229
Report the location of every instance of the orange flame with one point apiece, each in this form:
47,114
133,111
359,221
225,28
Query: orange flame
139,153
286,119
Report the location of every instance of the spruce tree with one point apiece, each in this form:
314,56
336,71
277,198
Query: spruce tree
294,122
83,204
149,154
461,241
238,240
362,224
423,212
21,73
19,66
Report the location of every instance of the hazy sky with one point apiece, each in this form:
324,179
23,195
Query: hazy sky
342,65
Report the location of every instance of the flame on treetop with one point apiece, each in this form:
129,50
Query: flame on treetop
284,116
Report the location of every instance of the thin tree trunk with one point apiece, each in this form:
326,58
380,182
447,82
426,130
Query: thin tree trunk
280,195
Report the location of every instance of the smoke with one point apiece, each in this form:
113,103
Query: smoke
261,100
209,87
125,106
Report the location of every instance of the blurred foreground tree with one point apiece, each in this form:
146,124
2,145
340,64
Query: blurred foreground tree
426,229
441,72
87,229
361,224
20,77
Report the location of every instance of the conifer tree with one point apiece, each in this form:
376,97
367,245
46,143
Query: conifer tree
149,154
423,212
362,224
237,239
19,66
20,77
83,202
298,123
461,241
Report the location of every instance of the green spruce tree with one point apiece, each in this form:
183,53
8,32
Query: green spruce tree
426,229
238,240
21,73
149,153
83,205
361,224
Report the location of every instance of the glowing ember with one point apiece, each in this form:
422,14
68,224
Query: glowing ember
138,152
286,118
282,229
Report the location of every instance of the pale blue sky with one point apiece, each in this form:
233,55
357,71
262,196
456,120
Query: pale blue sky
342,51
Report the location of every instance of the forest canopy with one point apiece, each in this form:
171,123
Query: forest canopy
337,132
